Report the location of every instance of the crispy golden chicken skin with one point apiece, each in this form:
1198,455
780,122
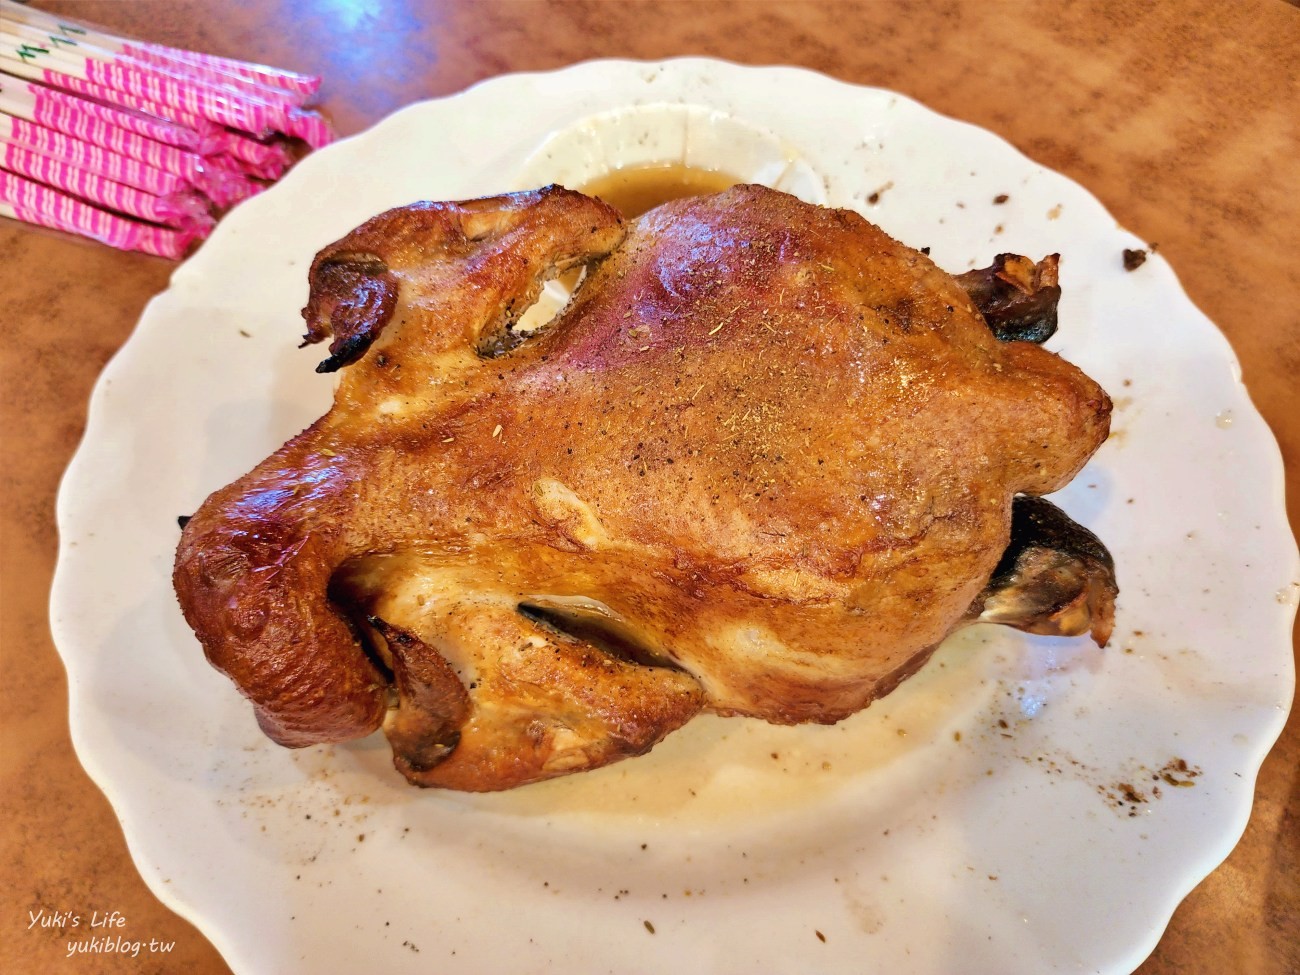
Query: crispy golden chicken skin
762,464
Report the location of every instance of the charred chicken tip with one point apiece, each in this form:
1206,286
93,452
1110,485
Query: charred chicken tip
1055,578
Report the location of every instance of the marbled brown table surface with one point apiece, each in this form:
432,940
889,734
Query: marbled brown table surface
1183,118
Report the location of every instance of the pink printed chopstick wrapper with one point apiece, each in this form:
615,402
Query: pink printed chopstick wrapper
206,129
97,124
97,159
299,84
177,210
188,95
182,97
60,31
188,101
123,129
311,127
46,207
219,78
59,110
224,186
265,160
216,103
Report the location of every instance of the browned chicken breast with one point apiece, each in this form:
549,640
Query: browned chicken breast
762,464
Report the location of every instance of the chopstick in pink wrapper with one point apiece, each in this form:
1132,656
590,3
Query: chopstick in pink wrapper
67,113
97,159
311,127
176,210
66,41
30,202
301,85
223,185
61,67
265,160
213,68
205,129
194,96
214,76
225,106
141,130
96,124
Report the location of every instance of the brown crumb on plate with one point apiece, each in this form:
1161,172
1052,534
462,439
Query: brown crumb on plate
1134,259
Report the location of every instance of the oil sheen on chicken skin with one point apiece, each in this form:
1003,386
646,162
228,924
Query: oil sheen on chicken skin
761,465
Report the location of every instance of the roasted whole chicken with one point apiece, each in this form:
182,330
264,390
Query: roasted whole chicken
764,461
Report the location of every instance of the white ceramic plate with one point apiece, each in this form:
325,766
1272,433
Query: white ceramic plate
1011,809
